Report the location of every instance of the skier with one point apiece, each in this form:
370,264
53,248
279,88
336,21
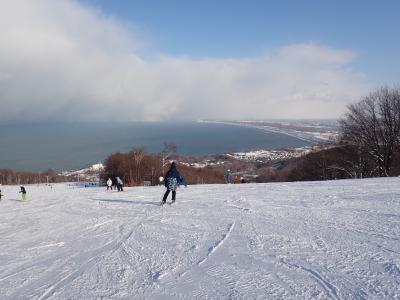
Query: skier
1,195
109,183
171,183
23,191
181,181
228,176
119,184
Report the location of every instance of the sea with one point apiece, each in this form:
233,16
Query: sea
72,146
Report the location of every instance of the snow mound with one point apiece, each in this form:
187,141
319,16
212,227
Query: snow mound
309,240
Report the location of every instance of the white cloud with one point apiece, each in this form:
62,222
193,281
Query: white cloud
60,60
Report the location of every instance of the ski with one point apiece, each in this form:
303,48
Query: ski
169,203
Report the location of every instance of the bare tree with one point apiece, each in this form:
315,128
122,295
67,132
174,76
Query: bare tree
373,126
169,149
138,155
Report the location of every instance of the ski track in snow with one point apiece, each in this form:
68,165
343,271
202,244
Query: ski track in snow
85,266
217,245
306,240
329,287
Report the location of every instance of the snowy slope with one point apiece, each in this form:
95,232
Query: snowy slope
315,240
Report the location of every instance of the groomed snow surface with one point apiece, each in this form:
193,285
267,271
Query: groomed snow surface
309,240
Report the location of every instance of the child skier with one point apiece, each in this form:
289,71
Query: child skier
109,184
23,191
171,183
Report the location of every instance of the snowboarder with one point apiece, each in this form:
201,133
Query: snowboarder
119,184
228,176
23,191
171,183
109,183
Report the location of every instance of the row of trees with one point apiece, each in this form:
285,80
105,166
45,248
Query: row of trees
339,162
372,128
137,166
134,167
8,177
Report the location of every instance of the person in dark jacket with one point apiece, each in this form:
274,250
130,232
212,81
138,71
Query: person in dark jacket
171,182
23,192
1,195
120,184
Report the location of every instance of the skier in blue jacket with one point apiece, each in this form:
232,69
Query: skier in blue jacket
171,182
181,181
228,176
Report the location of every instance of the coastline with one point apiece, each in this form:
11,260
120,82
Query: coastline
325,134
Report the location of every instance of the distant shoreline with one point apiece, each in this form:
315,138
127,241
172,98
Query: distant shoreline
296,129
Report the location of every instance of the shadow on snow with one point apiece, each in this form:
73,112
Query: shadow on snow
128,201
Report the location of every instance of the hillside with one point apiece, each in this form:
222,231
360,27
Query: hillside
306,240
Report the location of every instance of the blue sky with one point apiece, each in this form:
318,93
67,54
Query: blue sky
103,60
235,28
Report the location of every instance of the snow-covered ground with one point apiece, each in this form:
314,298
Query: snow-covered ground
310,240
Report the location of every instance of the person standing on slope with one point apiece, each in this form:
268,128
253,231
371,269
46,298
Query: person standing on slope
1,195
119,184
23,191
171,182
228,176
181,181
109,183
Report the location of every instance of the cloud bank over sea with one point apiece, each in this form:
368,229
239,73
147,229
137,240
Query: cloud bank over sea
66,61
